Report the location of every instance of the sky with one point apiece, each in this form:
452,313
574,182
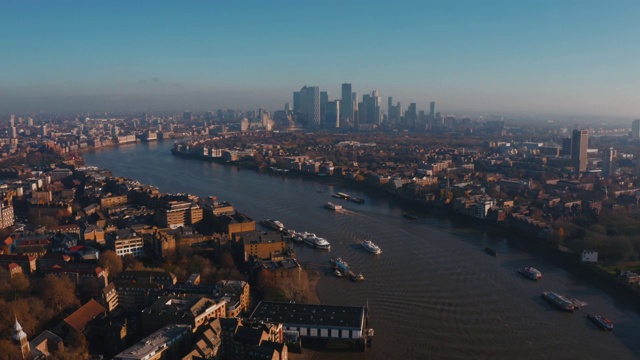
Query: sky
541,57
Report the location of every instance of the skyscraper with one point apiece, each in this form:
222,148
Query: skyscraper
332,115
324,98
432,111
346,105
310,100
635,129
579,145
607,161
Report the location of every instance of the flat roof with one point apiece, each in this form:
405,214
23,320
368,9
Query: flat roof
307,315
155,342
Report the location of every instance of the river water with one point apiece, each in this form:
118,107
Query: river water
433,293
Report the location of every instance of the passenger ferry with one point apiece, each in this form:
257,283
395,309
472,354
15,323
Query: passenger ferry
601,321
317,242
371,247
531,273
332,206
273,224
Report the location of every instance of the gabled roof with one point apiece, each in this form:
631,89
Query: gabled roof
87,312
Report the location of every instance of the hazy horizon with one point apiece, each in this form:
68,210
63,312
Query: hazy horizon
543,58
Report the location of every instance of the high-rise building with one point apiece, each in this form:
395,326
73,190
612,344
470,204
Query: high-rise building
411,116
607,162
635,129
186,116
13,132
347,103
432,109
313,106
579,145
565,150
332,115
324,98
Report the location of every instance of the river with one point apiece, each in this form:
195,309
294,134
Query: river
433,293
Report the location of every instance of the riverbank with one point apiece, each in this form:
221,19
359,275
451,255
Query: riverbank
543,248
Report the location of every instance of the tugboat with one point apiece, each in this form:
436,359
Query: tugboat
558,301
601,321
530,272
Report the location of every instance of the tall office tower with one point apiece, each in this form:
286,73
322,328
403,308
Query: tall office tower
411,115
565,150
324,98
635,129
332,115
347,107
43,130
296,101
13,132
579,144
30,121
376,108
607,161
313,106
186,116
12,120
287,107
432,111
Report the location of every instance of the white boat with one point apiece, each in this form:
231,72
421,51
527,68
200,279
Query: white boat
530,272
332,206
371,247
301,236
317,242
273,224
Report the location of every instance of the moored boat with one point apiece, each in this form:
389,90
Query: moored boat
530,272
273,224
490,251
301,236
371,247
332,206
343,196
558,301
317,242
409,216
601,321
357,200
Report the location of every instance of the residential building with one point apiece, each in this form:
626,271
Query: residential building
169,342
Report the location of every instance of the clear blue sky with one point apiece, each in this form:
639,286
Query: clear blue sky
545,56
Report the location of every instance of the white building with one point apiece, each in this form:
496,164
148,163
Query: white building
589,256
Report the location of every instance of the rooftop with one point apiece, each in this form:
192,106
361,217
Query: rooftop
155,342
292,314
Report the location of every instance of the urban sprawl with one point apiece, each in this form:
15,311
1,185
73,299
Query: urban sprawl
91,263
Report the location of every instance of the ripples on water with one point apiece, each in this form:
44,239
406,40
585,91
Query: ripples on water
433,293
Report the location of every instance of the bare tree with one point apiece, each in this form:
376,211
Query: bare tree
59,292
112,262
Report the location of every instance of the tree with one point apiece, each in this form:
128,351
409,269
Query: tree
59,292
130,262
110,261
9,350
19,283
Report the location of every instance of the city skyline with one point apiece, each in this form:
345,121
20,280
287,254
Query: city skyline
544,58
